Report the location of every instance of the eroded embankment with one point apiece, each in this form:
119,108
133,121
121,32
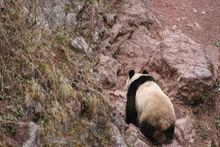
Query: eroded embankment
50,74
185,68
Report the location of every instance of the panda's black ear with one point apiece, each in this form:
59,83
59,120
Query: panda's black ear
131,73
145,72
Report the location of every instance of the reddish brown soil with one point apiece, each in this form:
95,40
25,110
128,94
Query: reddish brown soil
198,18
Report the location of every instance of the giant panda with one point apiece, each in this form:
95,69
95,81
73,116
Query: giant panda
149,108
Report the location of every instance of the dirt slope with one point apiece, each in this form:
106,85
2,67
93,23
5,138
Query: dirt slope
178,43
198,18
64,65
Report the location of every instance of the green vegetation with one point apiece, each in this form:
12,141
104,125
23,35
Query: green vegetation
217,122
95,1
217,43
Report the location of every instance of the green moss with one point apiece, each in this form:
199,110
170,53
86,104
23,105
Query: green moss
62,37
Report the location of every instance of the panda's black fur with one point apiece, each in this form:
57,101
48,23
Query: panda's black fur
146,128
131,112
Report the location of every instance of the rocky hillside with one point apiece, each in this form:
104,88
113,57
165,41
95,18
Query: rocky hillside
64,64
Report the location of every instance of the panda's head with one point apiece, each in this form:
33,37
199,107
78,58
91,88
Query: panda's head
134,76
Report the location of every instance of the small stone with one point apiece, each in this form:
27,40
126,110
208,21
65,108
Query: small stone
39,108
57,17
117,137
2,4
140,143
12,108
203,13
190,25
197,25
80,43
57,140
110,19
185,130
74,108
71,20
108,67
95,36
32,140
195,10
118,93
174,28
131,139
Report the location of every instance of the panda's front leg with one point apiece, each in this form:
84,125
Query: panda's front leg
131,117
131,113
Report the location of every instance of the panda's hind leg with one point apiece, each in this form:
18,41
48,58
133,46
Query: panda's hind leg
170,132
148,130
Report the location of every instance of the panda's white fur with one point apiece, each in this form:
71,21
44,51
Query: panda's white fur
153,106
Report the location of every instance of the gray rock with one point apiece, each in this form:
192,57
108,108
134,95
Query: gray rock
131,134
71,20
32,140
108,67
203,12
39,108
2,5
185,131
80,43
53,14
188,52
187,58
140,143
131,139
48,14
134,137
57,140
95,36
74,108
110,19
135,13
57,17
117,138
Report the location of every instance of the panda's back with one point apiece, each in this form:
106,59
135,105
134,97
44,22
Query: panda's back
153,104
146,94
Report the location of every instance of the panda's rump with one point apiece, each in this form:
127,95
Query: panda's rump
152,104
160,115
155,135
156,126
